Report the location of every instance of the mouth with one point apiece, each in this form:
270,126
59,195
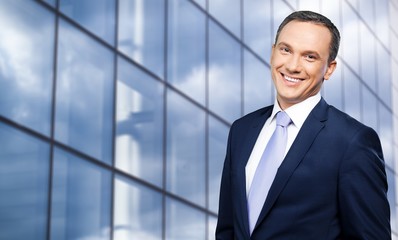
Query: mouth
291,79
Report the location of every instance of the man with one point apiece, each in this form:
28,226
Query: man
329,180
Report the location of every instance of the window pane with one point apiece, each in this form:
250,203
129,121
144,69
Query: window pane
258,86
141,32
231,18
51,2
26,64
187,49
350,37
98,17
384,75
218,135
385,134
352,95
257,27
185,149
280,12
382,21
312,5
138,211
183,222
84,106
333,88
391,193
81,199
224,74
212,228
368,56
24,170
369,108
139,128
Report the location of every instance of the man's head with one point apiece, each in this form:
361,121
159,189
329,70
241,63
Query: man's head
303,56
316,18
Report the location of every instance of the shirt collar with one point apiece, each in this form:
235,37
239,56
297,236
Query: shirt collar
299,111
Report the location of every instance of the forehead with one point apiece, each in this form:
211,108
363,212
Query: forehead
306,35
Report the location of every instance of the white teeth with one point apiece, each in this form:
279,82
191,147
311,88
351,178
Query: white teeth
291,79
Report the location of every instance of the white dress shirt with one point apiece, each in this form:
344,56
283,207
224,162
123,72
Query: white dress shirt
298,113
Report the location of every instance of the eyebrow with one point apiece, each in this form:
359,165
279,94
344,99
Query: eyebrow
306,52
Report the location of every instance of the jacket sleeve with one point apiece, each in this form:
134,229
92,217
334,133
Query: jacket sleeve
225,229
364,209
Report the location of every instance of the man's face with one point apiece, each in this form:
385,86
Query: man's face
299,61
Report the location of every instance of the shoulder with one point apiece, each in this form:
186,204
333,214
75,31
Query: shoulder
254,118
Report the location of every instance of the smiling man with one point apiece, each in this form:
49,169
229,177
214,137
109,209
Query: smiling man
302,169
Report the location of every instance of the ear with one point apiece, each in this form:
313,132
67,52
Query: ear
329,71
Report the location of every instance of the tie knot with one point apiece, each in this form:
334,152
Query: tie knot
282,119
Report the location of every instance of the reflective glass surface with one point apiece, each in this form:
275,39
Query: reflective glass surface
386,135
258,85
280,10
384,89
84,109
139,123
257,27
212,228
138,211
231,18
141,32
382,13
26,64
352,94
369,108
81,199
313,5
224,74
183,222
185,149
51,2
368,56
98,17
24,175
218,134
349,44
332,89
187,49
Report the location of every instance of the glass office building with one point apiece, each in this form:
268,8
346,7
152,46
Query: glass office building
114,114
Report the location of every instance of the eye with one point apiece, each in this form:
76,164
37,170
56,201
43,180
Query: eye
285,49
310,57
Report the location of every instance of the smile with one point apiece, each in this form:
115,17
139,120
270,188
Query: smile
290,79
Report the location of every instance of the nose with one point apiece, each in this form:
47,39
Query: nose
293,64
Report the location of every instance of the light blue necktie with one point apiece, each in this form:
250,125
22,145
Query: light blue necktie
267,168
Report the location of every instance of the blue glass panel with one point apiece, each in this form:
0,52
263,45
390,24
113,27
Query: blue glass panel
139,127
84,98
312,5
259,39
212,228
386,134
141,32
350,37
98,17
352,94
366,10
258,86
231,18
391,195
187,49
280,11
218,135
331,9
51,2
369,108
184,222
24,175
333,88
382,24
225,89
384,81
368,57
185,149
81,199
138,211
26,64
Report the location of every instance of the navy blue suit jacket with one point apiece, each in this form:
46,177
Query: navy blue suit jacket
331,185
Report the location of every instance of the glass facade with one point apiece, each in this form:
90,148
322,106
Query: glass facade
114,115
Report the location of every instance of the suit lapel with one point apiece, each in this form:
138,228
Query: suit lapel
247,147
306,136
